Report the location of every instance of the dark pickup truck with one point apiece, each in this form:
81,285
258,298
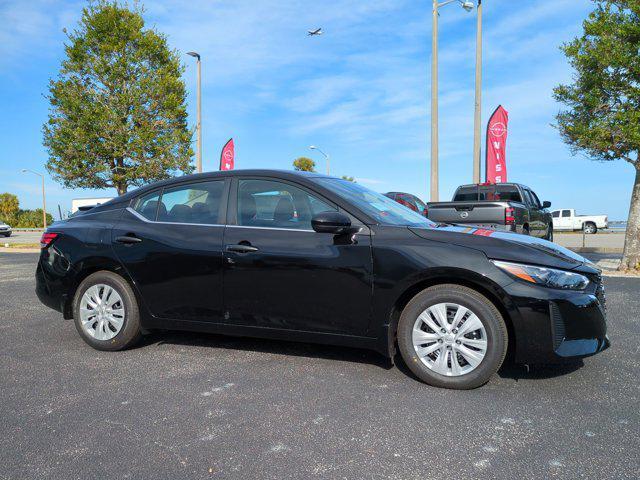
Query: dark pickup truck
504,206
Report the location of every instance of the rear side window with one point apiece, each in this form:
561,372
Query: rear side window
566,213
192,203
508,193
147,206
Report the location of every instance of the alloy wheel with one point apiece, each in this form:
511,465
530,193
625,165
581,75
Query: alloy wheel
449,339
102,312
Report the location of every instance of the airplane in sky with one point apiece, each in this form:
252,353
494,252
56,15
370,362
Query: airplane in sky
317,31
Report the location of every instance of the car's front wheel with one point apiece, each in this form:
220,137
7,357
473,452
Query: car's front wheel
106,312
451,336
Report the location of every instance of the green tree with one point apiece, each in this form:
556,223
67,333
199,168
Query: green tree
32,219
349,179
118,107
304,164
9,207
603,115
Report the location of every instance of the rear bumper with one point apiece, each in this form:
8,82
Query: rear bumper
555,325
52,281
494,226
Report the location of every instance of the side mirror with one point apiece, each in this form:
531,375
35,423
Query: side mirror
331,222
546,204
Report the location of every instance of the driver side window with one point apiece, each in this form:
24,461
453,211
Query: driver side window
273,204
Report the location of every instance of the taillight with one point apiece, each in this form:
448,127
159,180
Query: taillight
47,238
425,212
509,216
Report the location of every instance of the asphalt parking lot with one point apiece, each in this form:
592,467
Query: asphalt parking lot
206,406
31,237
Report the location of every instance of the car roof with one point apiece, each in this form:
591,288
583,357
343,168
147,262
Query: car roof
291,174
508,184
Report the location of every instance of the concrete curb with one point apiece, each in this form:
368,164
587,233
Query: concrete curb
19,250
596,249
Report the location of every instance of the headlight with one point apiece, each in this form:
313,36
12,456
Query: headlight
549,277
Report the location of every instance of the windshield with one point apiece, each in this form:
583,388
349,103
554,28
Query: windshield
384,210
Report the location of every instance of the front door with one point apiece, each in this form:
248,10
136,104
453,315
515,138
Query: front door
279,273
564,220
170,242
537,226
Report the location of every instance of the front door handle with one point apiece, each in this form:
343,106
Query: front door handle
241,248
128,239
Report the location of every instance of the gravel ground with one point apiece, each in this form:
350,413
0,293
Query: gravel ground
209,406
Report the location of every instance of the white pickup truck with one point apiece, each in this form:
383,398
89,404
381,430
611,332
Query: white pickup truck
566,219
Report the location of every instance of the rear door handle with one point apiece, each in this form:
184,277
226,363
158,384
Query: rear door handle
128,239
241,248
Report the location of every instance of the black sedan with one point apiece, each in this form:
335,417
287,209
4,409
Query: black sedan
306,257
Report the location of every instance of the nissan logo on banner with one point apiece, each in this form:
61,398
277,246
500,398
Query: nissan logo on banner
228,156
496,151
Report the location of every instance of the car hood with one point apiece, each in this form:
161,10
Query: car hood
506,246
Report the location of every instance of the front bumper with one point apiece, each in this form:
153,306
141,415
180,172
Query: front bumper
553,325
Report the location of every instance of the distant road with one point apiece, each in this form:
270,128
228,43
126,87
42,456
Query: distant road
599,240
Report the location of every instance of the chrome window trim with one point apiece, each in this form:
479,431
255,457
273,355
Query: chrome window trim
145,219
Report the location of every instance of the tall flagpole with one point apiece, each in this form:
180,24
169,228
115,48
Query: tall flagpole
434,105
477,119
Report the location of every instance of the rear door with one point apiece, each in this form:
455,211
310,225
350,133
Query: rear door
170,242
279,273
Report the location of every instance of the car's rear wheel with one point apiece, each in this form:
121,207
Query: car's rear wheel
106,312
549,233
451,336
589,228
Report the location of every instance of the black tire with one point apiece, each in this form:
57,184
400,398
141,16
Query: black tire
549,235
7,234
590,228
485,310
525,230
130,332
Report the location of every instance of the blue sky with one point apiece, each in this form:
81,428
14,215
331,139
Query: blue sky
360,92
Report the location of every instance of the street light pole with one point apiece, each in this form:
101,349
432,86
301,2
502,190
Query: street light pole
468,6
313,147
199,118
477,118
44,202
